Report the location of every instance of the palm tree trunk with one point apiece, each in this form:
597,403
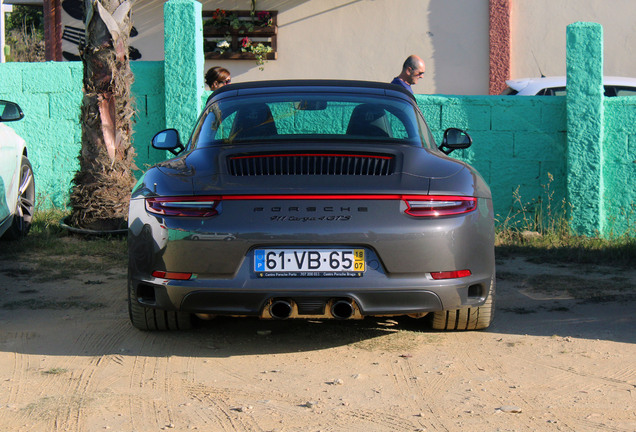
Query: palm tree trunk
102,185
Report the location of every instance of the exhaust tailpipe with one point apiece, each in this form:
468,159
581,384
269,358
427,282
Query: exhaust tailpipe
280,309
342,309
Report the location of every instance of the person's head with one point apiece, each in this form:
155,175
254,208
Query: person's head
217,77
412,70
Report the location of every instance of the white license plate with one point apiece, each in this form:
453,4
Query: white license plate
309,262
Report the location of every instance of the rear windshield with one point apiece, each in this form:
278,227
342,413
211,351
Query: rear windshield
309,118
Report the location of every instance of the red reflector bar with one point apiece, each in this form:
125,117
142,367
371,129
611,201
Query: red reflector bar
312,154
451,274
171,275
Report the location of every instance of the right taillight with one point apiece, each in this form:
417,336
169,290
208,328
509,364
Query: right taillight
201,206
438,205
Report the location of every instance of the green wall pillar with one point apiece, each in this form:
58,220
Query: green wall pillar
584,61
184,61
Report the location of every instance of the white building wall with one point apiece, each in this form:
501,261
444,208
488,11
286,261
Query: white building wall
370,39
355,39
539,28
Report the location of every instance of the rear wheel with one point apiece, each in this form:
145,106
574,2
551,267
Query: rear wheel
145,318
25,204
474,318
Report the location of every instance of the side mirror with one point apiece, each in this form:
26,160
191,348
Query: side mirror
455,139
10,111
168,140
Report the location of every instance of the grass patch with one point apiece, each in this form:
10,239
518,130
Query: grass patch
50,252
541,231
618,252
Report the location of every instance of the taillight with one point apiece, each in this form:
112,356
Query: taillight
438,205
450,274
201,206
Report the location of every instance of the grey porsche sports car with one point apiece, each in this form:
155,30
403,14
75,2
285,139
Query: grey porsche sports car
311,199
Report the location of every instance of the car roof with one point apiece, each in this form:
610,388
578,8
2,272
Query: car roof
283,86
530,86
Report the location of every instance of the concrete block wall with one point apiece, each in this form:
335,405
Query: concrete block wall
619,165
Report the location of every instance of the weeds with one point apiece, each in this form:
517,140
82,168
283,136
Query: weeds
541,230
50,252
26,46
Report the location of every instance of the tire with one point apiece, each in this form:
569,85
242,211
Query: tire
145,318
475,318
25,204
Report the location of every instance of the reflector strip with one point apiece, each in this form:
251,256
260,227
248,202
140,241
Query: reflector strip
450,274
172,275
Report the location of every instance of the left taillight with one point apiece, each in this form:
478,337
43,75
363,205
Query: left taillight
438,205
201,206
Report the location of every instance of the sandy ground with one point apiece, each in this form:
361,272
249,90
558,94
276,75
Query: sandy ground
561,356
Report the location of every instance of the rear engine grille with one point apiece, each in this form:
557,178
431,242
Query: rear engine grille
311,164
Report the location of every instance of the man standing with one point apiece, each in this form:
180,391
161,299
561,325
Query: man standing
412,70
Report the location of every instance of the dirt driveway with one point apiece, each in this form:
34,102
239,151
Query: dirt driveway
561,356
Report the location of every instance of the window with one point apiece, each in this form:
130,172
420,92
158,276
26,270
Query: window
311,117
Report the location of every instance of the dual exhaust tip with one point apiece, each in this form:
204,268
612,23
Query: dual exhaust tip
340,309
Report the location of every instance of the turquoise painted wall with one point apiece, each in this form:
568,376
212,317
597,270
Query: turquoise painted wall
619,165
585,125
184,60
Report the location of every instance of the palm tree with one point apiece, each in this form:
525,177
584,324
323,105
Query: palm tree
102,185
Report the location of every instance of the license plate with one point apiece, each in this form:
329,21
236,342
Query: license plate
309,262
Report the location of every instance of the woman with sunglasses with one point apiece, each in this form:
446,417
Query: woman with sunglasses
217,77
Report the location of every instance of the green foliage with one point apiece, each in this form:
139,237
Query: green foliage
259,50
27,18
25,47
25,34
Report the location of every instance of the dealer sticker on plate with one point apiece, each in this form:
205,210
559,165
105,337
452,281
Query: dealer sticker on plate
309,262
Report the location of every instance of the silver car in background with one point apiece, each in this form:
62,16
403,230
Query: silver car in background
311,199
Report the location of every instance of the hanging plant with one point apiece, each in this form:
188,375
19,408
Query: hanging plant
259,50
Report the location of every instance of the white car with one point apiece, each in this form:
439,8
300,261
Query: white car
555,86
17,186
